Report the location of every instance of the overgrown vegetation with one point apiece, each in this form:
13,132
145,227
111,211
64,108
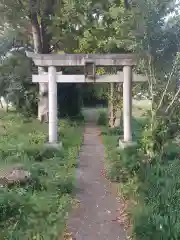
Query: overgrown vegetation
38,210
150,183
16,85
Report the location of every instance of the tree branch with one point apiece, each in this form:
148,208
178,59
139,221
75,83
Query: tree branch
173,100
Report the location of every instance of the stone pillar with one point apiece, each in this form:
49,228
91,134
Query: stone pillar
127,103
53,128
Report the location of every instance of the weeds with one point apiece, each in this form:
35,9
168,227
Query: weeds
39,210
152,185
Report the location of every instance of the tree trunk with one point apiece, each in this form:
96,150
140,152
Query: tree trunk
118,118
111,106
43,108
5,105
118,105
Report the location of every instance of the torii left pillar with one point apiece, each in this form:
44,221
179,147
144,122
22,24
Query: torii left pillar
127,103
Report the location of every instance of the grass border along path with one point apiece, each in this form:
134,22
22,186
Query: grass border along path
150,188
37,211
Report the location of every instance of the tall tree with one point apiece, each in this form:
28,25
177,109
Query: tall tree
32,18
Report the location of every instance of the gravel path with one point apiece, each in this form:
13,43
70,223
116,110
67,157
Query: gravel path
94,219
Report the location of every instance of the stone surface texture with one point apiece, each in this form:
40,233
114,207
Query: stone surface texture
81,59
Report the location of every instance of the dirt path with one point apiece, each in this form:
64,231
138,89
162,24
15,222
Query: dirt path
95,218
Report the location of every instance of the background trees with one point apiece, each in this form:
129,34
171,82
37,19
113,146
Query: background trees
85,26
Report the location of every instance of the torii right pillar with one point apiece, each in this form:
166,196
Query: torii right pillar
127,108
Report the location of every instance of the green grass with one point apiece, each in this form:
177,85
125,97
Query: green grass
37,211
151,187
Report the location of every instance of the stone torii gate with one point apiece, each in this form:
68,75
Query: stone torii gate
89,63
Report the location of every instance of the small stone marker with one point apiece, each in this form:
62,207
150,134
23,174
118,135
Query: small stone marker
14,175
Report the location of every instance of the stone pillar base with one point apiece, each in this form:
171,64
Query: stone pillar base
123,144
57,146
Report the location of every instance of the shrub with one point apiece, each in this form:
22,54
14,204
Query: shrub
153,183
39,209
102,119
159,218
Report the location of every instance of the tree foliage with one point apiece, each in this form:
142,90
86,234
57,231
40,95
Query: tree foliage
16,84
87,26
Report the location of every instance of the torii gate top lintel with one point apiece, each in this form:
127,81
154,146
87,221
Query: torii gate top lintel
81,59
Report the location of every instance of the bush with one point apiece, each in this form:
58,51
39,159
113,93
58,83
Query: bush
37,210
102,119
160,213
15,78
153,185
